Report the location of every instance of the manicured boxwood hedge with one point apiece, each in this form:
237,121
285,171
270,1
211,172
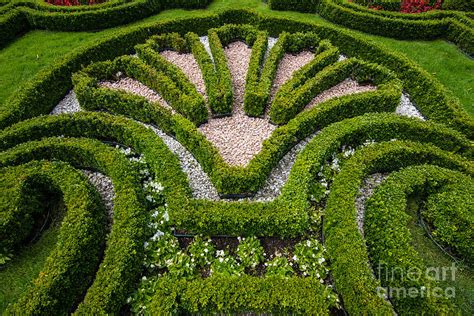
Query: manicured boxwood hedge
353,277
388,237
228,295
72,264
124,250
24,15
50,85
453,26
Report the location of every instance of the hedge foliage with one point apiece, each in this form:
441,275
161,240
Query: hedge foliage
388,237
220,294
121,262
21,16
450,25
72,264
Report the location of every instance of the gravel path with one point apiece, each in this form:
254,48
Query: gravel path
199,181
365,192
69,104
280,173
188,64
288,65
238,137
105,188
136,87
345,87
407,108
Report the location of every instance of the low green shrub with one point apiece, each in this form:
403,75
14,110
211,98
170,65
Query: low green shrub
121,262
389,240
220,294
462,5
71,266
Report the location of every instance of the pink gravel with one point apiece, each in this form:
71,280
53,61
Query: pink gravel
345,87
138,88
238,137
188,64
288,65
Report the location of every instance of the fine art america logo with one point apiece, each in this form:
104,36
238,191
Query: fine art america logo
416,276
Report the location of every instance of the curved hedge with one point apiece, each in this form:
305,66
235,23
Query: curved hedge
388,237
71,266
21,16
454,26
120,265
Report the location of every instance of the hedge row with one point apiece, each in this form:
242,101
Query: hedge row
350,262
239,180
22,16
261,72
389,241
321,75
71,266
243,294
453,26
50,85
169,82
353,131
124,250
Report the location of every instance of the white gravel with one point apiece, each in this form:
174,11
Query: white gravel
238,137
365,192
407,108
199,181
188,64
69,104
345,87
105,188
270,43
280,173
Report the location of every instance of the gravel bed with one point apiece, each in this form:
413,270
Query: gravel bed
288,65
407,108
69,104
105,188
238,137
188,64
199,181
271,42
365,192
280,173
136,87
205,41
345,87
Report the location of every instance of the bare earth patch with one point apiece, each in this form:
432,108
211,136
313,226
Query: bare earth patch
238,137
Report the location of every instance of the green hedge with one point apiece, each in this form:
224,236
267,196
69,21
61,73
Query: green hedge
388,237
296,5
462,5
172,85
346,247
50,85
425,26
308,83
71,266
124,251
23,16
244,294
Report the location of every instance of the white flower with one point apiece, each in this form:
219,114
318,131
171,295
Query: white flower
166,216
221,259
